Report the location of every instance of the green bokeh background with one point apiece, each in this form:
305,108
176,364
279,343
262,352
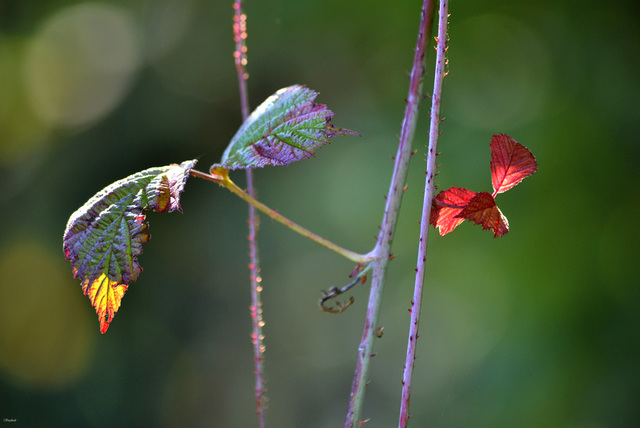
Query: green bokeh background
540,328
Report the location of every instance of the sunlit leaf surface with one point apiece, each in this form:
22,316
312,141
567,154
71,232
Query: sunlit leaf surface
104,237
482,210
446,208
511,162
285,128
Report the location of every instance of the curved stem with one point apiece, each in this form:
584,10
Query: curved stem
221,177
382,250
416,303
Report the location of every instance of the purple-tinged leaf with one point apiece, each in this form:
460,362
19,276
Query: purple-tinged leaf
104,237
285,128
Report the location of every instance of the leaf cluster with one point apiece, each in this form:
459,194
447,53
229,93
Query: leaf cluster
104,237
511,162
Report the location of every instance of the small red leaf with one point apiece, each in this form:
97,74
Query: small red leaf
511,162
482,210
446,208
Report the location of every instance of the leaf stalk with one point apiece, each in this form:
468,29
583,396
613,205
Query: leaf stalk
221,176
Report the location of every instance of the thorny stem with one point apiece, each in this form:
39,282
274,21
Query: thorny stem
221,177
257,337
416,303
382,251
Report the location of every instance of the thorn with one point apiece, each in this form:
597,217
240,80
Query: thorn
404,189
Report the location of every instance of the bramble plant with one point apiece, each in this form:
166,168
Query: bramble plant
104,237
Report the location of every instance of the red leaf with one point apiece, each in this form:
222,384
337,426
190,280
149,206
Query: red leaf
446,208
482,210
511,162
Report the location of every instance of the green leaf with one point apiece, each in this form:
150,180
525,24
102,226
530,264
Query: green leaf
104,237
285,128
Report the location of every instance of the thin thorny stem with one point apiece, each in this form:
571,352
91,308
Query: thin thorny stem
382,250
416,302
378,257
257,337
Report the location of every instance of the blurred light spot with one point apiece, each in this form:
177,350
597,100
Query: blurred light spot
164,23
46,333
81,64
185,49
499,73
21,131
